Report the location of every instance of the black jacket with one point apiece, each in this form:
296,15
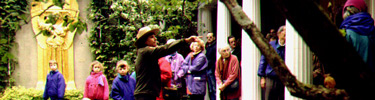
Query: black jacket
147,68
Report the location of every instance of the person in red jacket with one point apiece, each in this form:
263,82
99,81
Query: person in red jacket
96,87
227,73
165,75
148,85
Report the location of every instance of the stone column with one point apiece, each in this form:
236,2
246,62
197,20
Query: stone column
251,89
223,25
223,30
204,19
204,26
298,58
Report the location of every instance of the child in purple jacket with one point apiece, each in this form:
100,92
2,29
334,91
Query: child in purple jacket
123,85
55,84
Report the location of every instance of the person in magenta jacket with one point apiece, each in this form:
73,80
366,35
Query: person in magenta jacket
55,84
123,85
96,86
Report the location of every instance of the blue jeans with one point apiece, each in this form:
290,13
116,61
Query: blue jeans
274,89
211,84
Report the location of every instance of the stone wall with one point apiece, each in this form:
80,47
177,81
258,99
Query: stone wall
25,50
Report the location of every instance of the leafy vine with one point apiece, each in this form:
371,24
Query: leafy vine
11,18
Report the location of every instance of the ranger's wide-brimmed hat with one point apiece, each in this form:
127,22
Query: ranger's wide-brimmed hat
144,31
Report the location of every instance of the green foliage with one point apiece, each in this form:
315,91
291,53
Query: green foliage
45,32
68,21
12,12
59,3
21,93
73,95
78,25
116,23
52,19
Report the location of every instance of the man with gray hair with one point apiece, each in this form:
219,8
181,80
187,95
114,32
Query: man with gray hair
227,75
274,89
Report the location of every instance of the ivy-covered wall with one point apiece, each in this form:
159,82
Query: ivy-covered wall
25,50
12,16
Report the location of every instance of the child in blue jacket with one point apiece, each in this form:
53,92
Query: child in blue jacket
123,85
55,84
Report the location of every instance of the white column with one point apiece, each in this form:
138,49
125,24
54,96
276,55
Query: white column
200,20
250,55
223,25
372,8
223,29
298,58
204,26
204,20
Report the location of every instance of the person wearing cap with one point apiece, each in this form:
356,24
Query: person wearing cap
147,69
359,30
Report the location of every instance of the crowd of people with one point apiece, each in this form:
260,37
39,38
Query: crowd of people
161,73
164,74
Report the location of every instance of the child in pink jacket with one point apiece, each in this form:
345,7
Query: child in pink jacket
96,87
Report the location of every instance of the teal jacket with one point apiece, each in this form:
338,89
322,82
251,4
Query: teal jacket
364,45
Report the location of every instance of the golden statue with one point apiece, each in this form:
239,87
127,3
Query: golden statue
57,44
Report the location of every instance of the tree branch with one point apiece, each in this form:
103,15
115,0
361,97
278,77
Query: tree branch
295,87
324,39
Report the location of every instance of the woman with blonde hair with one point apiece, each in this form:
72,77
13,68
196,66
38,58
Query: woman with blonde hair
96,87
194,69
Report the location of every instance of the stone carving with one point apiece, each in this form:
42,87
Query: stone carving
54,38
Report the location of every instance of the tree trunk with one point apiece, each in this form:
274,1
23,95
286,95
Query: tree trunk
324,39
